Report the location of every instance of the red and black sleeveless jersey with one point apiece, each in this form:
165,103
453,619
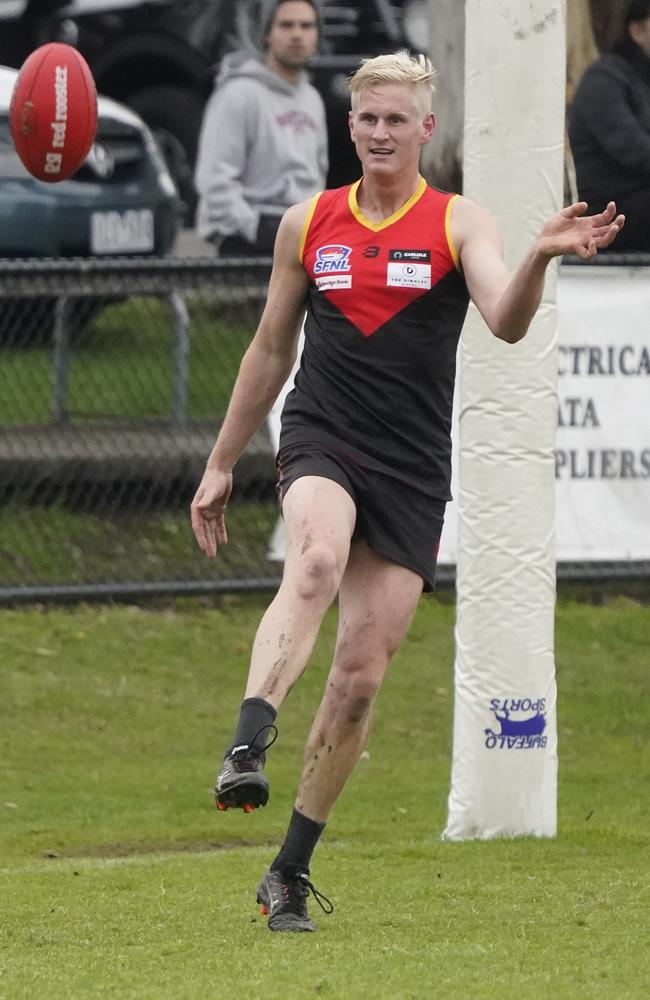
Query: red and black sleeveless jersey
386,305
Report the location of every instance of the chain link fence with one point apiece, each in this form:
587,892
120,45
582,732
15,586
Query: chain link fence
114,377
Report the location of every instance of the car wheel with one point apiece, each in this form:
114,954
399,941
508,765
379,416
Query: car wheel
174,115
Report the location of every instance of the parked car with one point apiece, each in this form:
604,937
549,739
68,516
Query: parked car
160,57
122,201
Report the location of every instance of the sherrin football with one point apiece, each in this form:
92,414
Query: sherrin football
53,112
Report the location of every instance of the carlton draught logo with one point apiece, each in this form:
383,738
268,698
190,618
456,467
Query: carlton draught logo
53,160
521,724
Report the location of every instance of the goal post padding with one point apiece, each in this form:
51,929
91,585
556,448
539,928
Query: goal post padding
504,766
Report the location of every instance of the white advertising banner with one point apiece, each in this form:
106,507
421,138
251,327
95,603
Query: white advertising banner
602,451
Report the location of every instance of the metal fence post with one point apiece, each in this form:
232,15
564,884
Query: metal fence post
60,359
180,357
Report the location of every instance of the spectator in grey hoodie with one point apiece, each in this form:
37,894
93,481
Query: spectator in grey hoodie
263,143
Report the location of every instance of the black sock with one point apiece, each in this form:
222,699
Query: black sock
256,716
301,839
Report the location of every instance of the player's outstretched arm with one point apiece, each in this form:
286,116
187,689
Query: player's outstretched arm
507,301
265,368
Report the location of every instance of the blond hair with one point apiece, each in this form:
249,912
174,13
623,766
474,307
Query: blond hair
398,67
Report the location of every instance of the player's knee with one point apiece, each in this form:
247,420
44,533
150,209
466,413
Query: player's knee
357,683
358,707
361,694
318,573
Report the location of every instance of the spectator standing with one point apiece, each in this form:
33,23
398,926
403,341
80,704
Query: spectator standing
263,143
609,130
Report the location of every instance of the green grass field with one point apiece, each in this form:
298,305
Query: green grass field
53,545
120,880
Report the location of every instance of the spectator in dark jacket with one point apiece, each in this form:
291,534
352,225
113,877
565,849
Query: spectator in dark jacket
609,130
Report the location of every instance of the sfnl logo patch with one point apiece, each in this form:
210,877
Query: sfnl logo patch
519,724
332,267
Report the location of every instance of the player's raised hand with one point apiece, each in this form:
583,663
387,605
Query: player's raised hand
572,231
208,510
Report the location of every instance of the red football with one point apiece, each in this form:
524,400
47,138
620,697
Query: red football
53,114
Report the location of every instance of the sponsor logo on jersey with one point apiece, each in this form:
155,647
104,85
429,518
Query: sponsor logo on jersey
418,256
335,257
401,274
331,281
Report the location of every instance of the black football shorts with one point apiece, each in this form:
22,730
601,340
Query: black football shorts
397,521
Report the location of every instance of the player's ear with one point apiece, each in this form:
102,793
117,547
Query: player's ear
428,127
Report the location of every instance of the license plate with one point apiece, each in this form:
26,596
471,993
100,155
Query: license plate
122,232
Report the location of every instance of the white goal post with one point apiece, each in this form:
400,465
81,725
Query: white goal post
504,767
